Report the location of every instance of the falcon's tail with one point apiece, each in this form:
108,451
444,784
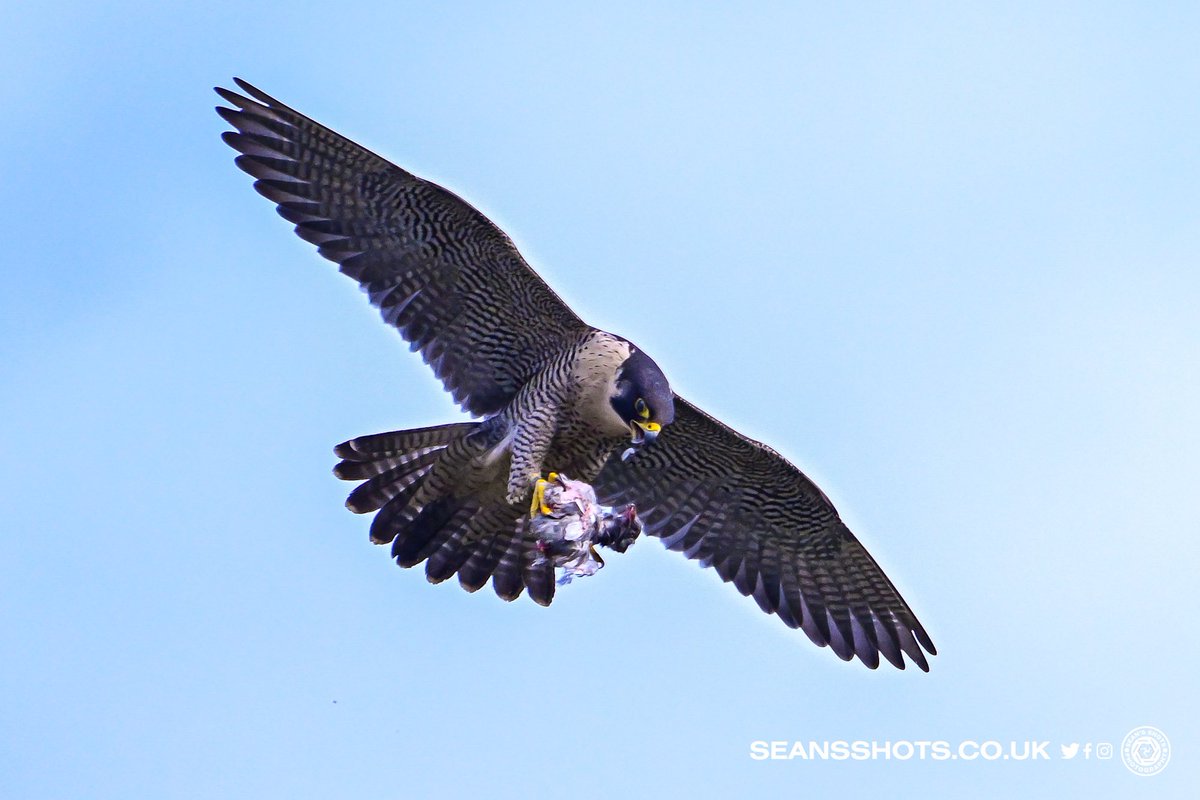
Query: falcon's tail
437,504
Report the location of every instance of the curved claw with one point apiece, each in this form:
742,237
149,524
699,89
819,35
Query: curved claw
538,503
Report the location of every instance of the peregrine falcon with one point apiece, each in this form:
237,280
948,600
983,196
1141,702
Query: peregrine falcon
547,392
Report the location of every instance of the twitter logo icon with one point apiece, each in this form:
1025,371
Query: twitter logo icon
1069,750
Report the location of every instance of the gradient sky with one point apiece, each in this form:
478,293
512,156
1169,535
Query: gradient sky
942,256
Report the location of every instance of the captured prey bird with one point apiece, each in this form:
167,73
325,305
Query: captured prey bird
549,394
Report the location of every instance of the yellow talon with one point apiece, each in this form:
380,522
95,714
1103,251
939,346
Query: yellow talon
539,496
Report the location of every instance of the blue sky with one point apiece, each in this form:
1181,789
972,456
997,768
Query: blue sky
944,257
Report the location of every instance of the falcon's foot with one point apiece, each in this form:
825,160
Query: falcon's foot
538,504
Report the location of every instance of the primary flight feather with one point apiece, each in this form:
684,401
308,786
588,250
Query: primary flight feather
551,393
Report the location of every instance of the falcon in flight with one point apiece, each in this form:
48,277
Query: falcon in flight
548,392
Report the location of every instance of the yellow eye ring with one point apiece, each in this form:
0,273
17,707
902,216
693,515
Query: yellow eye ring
642,410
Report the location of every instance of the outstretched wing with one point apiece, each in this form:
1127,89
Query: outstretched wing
437,269
738,506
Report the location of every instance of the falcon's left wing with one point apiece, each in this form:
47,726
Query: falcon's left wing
738,506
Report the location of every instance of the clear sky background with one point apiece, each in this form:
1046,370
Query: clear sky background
943,256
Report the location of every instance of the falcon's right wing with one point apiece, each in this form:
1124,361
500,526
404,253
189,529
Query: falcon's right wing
437,269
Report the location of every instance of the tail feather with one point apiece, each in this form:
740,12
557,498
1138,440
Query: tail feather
396,484
413,479
362,470
452,552
538,575
508,579
391,519
428,528
401,443
474,573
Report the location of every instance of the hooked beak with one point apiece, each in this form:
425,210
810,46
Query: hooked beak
643,433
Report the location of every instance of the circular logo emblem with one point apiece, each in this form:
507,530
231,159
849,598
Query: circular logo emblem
1145,750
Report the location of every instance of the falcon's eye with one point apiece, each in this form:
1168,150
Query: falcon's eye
641,409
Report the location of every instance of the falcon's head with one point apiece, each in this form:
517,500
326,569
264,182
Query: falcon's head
642,399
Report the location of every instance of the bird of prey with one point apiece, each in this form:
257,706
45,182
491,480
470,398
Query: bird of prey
547,392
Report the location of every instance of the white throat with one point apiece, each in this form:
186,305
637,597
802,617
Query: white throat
595,376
